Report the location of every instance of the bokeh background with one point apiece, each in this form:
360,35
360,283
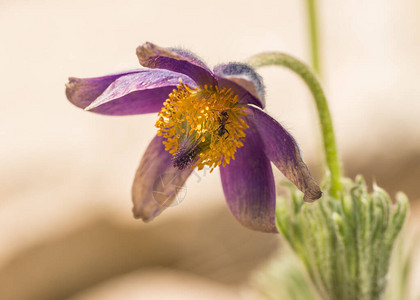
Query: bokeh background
66,229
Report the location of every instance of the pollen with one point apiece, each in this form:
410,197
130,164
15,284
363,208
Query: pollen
202,126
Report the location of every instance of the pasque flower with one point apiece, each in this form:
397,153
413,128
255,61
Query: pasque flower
205,118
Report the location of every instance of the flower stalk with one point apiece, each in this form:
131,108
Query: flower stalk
313,35
329,143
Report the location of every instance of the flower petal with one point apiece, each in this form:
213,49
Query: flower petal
248,184
136,93
157,182
243,80
182,61
281,148
83,91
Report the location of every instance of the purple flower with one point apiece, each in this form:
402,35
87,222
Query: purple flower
205,118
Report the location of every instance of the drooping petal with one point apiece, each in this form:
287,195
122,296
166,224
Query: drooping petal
248,184
281,148
243,80
182,61
83,91
137,93
157,182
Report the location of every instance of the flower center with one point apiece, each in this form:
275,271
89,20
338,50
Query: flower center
202,126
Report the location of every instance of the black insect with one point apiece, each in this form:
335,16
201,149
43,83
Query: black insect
223,120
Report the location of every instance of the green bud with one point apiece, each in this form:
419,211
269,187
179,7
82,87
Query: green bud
345,244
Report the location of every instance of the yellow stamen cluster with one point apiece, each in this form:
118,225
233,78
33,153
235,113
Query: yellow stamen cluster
208,119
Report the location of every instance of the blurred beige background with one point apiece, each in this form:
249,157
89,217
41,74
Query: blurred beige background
65,174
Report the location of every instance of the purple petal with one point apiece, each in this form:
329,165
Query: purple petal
83,91
191,57
153,56
243,80
248,184
137,93
157,182
281,148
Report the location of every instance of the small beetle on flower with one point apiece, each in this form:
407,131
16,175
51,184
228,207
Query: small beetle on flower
205,118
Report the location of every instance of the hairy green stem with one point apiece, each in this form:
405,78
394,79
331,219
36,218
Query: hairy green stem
313,34
331,153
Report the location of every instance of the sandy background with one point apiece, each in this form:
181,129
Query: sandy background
64,171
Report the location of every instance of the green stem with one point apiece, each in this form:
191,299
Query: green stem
331,154
313,33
